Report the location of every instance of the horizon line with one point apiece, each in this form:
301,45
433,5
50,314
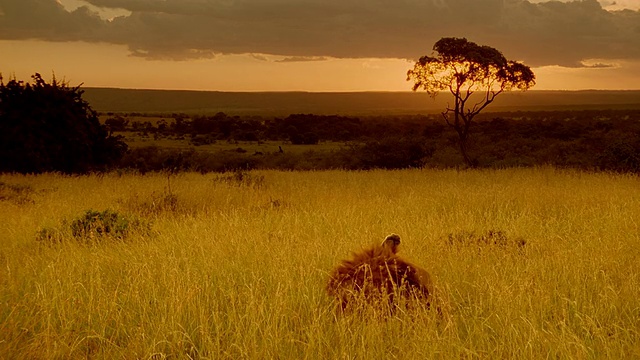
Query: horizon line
348,91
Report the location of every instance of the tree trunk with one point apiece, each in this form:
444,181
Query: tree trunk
463,133
465,155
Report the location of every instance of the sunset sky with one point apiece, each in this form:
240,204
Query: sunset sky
310,45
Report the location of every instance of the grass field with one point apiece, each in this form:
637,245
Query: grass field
235,266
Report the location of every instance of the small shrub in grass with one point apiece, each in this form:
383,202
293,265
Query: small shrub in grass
95,226
52,234
489,238
16,193
155,204
105,224
241,178
274,204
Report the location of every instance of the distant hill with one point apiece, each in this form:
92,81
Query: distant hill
348,103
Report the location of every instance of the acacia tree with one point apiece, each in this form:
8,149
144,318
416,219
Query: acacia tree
464,68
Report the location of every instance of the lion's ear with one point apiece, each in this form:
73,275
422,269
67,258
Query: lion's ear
392,242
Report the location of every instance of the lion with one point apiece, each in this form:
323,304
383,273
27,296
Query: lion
377,276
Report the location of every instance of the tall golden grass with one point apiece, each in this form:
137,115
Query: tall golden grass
236,266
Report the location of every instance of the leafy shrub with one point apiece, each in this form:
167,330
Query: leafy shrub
95,226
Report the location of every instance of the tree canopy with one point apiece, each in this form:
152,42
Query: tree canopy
49,127
464,68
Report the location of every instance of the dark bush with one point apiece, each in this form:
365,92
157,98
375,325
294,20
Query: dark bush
49,127
622,156
200,140
391,153
154,158
308,138
117,123
299,127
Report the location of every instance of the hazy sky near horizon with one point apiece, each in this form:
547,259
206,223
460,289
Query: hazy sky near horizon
311,45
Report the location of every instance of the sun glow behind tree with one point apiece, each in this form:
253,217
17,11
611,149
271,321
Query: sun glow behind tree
464,68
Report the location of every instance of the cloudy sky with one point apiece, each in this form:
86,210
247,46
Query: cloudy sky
311,45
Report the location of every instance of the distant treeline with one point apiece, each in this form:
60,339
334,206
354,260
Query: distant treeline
587,139
345,103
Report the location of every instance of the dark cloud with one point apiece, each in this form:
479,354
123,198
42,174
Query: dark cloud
537,33
46,19
566,33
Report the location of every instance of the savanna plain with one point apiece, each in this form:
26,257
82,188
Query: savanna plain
234,265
